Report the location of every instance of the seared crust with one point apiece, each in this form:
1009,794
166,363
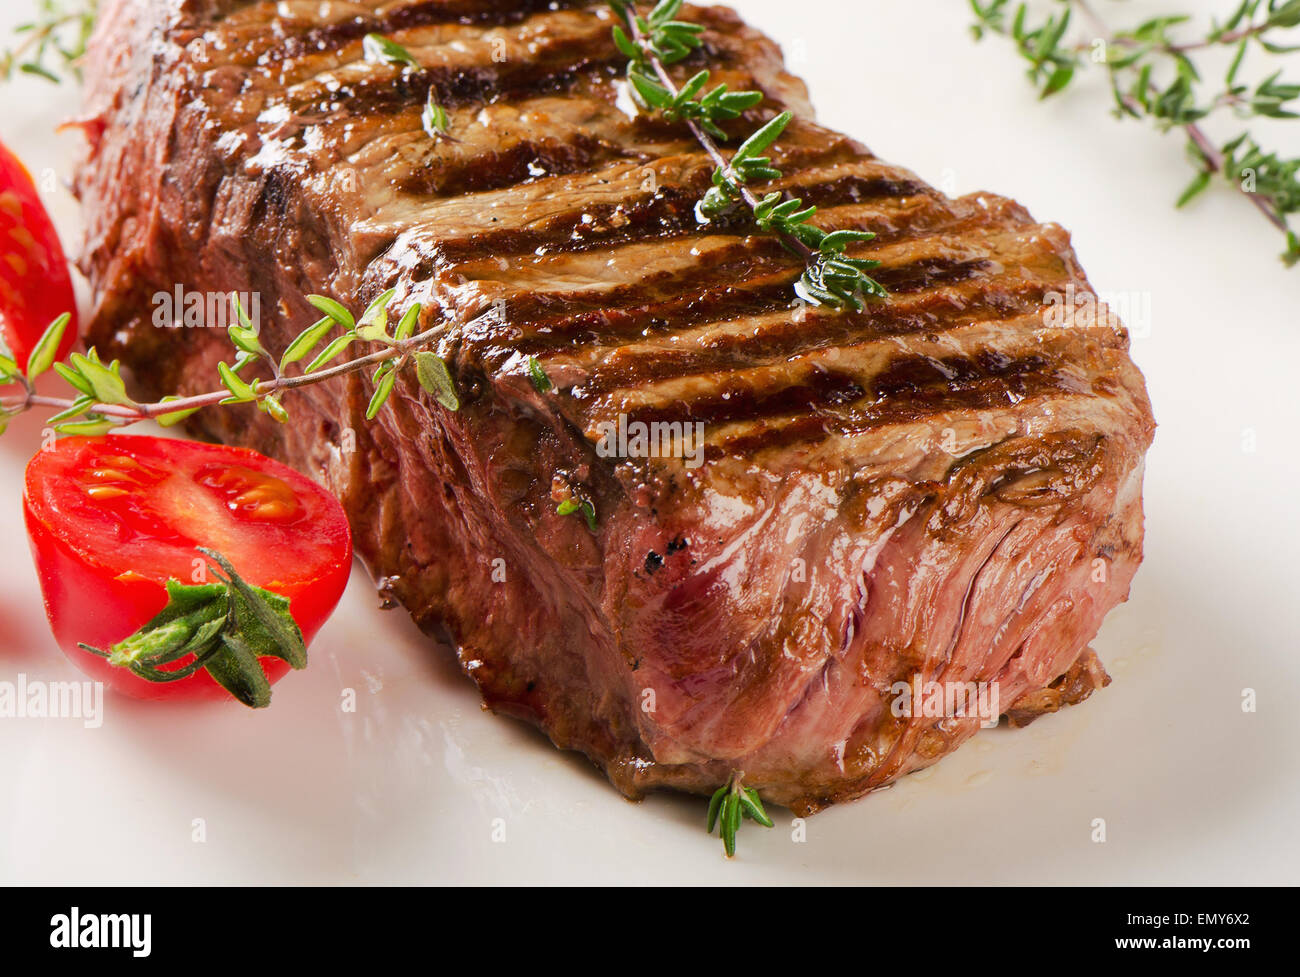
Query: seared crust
923,487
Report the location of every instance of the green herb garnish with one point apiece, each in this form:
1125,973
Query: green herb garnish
541,382
571,506
381,50
434,118
731,803
1154,76
100,402
224,628
657,40
51,43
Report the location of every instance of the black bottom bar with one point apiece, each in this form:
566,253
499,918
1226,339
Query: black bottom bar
330,925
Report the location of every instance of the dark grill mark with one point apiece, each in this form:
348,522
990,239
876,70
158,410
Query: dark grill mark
984,393
495,12
930,316
750,285
387,93
666,214
928,313
913,377
733,398
561,64
515,166
930,272
912,387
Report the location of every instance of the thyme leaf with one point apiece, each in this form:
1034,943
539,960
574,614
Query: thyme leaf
434,376
730,804
224,628
1153,74
541,382
652,43
434,118
581,507
382,50
53,42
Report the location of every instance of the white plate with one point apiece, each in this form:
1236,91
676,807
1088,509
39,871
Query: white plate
412,785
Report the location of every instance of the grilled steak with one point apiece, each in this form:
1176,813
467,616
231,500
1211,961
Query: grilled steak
944,487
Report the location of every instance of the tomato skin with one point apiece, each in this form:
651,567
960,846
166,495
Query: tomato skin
35,283
84,606
95,593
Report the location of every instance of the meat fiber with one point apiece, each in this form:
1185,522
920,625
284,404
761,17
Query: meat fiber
943,488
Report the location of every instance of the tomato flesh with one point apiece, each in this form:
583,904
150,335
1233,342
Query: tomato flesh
35,284
112,519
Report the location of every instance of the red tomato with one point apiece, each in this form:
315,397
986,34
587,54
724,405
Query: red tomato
111,519
35,285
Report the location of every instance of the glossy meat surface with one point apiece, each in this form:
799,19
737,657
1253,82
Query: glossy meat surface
946,485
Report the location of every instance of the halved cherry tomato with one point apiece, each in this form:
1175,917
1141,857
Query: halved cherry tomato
112,519
35,285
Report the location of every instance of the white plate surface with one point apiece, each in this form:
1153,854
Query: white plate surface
411,786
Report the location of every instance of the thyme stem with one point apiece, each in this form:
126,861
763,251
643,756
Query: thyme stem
133,413
831,277
706,141
46,33
1142,53
1210,153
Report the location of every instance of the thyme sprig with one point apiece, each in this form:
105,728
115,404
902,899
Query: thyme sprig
53,42
1153,76
101,402
731,803
657,40
224,629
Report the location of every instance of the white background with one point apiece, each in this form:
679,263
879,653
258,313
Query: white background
407,788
